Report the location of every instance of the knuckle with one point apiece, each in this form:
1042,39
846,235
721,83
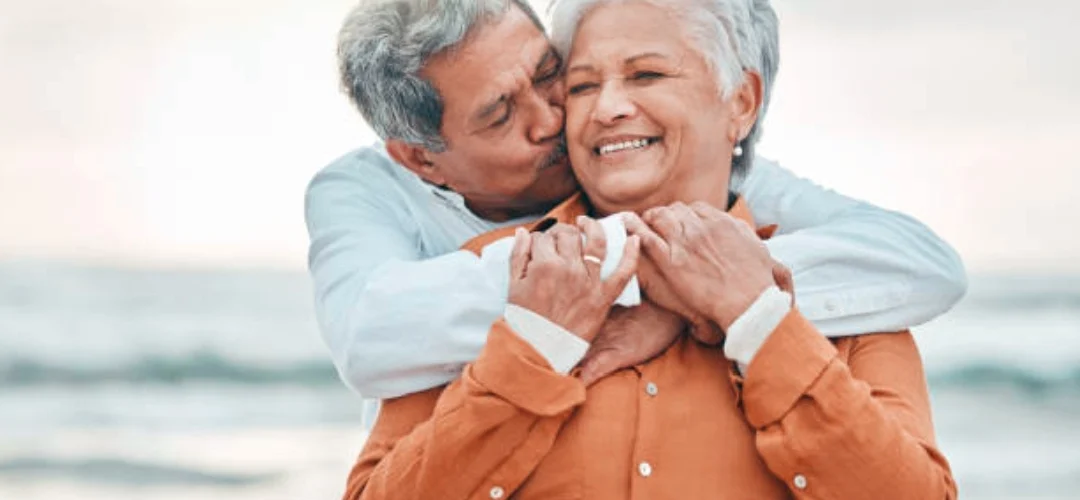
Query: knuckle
596,233
563,228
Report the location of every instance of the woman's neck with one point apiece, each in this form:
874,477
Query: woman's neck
713,193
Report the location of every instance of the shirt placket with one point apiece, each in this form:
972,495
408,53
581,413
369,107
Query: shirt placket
646,478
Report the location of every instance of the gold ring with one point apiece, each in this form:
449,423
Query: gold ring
593,258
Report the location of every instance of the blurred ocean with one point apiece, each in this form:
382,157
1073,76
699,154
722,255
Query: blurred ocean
123,384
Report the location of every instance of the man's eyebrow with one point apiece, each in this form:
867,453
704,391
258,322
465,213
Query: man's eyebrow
490,109
628,60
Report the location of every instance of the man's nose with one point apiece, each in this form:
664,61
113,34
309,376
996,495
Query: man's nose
548,119
613,104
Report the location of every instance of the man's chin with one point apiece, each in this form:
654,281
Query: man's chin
555,183
558,173
562,163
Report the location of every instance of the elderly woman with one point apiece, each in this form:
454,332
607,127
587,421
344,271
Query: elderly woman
663,105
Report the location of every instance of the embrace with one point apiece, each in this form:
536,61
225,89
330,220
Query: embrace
565,274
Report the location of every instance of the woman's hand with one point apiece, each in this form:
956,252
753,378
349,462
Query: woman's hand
556,276
656,289
714,262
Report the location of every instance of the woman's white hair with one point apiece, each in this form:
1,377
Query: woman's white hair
734,36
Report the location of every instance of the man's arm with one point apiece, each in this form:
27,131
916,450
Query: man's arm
377,299
857,268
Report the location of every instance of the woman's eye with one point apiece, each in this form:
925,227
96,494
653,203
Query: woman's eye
581,87
647,75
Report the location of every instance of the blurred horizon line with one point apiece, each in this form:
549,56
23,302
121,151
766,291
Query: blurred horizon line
281,267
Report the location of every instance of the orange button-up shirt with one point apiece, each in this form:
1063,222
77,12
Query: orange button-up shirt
813,418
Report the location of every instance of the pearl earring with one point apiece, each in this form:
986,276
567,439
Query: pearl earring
738,150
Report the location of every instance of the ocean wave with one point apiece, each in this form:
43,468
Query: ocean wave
126,473
215,369
199,367
991,376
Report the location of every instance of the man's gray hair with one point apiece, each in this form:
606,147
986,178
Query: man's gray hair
733,36
384,44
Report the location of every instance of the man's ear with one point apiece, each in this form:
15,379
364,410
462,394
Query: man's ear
416,159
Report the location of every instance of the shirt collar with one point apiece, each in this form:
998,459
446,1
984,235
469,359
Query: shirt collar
577,204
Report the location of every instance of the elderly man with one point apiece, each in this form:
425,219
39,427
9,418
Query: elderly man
473,143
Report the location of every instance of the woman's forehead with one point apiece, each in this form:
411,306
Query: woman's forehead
628,32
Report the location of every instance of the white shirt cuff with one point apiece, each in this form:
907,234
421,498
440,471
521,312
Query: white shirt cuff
562,349
750,331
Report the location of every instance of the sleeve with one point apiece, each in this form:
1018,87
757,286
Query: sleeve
831,429
376,301
485,433
857,268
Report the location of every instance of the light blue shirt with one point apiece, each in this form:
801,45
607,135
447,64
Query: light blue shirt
402,309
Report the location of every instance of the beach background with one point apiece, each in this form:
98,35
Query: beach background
157,338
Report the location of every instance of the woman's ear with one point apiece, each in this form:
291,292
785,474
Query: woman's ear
417,159
746,102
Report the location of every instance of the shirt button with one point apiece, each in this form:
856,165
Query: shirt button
497,493
651,389
800,481
644,469
831,305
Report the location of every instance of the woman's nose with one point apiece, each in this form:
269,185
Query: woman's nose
613,104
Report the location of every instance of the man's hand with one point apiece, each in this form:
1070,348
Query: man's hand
630,336
556,276
713,262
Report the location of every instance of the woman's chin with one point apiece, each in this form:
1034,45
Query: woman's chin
618,194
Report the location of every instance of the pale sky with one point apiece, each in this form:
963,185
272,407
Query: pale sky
178,132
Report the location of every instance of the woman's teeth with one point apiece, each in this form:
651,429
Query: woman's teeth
622,146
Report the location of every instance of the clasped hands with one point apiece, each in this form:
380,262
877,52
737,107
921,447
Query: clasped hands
698,266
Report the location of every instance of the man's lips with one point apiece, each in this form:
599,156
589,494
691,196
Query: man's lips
557,157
